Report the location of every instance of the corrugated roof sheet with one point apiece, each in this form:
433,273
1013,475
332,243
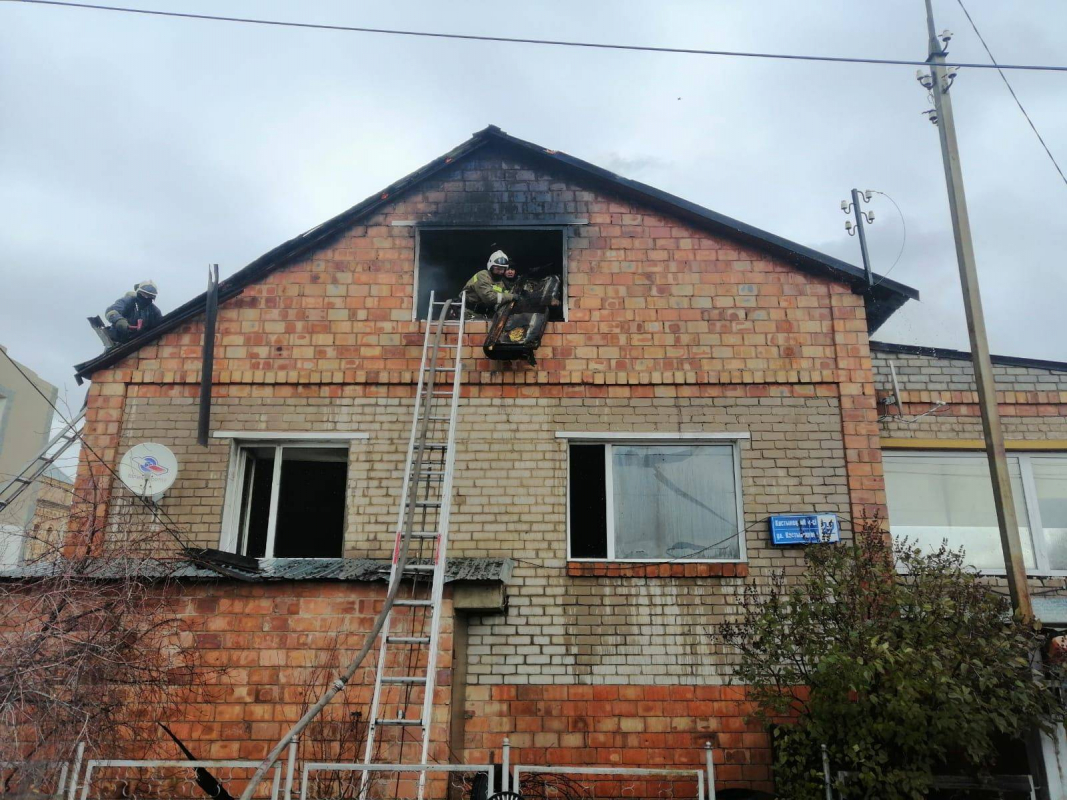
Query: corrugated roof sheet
270,569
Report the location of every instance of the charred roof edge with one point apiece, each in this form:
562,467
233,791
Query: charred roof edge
882,300
278,257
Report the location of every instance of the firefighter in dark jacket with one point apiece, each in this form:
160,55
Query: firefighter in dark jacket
487,289
133,313
511,280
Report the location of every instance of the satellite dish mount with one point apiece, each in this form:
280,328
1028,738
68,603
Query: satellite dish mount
148,470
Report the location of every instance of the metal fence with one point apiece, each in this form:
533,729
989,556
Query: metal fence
150,779
40,779
593,783
343,781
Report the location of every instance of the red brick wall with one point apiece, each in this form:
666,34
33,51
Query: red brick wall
649,296
622,726
262,643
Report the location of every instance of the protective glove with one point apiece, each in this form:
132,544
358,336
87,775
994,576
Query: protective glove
122,324
505,297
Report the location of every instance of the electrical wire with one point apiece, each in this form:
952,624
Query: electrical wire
524,40
903,241
1015,97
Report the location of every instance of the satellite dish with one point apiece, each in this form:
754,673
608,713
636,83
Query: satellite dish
148,469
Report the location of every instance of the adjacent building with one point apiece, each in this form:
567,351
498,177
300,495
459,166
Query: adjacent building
26,407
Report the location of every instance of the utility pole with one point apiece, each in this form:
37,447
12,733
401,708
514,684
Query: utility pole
861,217
939,82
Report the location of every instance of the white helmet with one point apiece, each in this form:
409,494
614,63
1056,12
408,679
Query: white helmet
498,260
147,288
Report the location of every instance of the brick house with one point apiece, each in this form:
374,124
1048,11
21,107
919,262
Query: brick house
576,627
937,479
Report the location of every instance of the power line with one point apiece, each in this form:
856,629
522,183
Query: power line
903,241
1018,102
520,40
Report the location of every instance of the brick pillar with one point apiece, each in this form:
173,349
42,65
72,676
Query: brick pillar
859,407
100,442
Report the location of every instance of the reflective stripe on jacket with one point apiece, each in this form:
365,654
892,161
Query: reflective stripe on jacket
483,289
130,308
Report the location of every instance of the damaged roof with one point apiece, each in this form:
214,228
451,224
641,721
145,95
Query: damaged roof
213,564
881,300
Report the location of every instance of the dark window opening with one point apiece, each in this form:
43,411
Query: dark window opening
449,258
589,519
309,518
311,504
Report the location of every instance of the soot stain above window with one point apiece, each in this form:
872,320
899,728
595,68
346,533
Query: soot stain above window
448,258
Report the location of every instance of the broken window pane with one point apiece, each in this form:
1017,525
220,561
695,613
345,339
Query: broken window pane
667,502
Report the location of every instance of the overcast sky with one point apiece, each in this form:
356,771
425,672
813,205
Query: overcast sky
135,147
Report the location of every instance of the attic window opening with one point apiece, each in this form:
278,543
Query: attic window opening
288,501
449,257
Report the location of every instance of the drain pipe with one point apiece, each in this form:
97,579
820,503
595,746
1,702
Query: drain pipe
710,767
826,772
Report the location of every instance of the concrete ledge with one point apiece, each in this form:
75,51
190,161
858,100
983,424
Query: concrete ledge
479,598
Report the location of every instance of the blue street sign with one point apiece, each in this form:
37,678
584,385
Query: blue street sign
793,529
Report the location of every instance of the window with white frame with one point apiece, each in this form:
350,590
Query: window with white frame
287,499
941,496
655,501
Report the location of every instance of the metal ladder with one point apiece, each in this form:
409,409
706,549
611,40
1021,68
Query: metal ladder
39,464
407,661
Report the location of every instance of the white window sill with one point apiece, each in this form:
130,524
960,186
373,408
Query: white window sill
654,436
292,436
656,561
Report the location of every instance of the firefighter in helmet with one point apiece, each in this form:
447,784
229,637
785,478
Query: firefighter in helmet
134,313
487,289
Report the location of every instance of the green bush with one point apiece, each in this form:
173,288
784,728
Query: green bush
896,659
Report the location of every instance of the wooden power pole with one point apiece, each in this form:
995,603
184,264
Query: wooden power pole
939,84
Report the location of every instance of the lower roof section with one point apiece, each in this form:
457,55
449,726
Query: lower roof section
963,355
213,564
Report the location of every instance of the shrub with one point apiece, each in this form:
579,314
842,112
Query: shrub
894,658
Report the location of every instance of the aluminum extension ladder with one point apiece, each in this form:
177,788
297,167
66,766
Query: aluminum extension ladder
407,661
39,464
